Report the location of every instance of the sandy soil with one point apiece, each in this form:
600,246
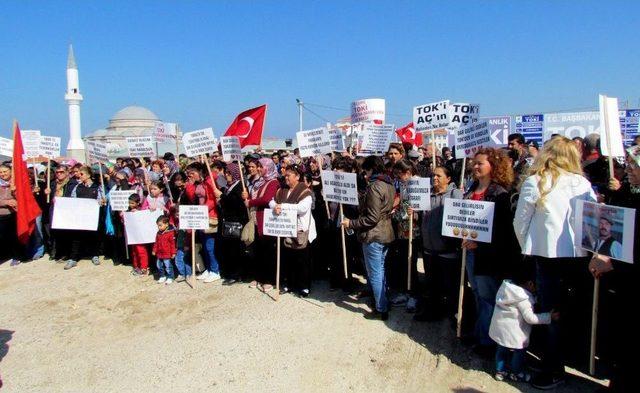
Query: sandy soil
99,329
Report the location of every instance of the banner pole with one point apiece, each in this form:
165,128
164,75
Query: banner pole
13,164
48,180
462,267
177,144
104,193
594,325
410,252
193,257
433,147
344,247
206,161
277,295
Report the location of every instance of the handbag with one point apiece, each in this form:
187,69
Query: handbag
299,242
213,226
248,234
232,229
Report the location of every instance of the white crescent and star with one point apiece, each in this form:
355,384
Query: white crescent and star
249,120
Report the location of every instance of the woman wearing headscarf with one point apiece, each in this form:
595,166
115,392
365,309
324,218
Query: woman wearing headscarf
265,190
234,216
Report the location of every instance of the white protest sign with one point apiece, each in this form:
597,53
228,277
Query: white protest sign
284,225
119,200
605,230
193,217
340,187
6,147
419,190
371,110
467,219
471,138
31,143
313,142
199,142
336,139
376,138
610,133
141,146
75,213
164,131
140,227
461,114
97,151
50,146
231,150
431,116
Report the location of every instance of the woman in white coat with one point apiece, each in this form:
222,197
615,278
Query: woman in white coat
545,227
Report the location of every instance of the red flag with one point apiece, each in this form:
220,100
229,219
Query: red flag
408,134
248,126
28,209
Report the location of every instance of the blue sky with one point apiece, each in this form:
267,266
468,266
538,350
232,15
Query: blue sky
199,63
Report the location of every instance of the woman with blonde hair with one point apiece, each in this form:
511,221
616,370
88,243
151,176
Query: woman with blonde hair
544,224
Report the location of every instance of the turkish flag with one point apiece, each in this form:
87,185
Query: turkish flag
408,134
28,209
248,126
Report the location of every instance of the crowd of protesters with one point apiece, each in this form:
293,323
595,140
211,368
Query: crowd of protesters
529,274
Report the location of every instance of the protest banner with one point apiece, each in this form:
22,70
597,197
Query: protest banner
75,213
97,151
371,110
141,146
31,143
499,130
231,150
282,225
336,139
49,146
119,200
605,230
313,142
461,114
467,219
193,217
431,116
340,187
610,132
6,147
140,226
531,127
199,142
376,138
471,138
571,124
419,192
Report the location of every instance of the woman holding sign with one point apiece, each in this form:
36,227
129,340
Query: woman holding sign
375,230
489,263
544,225
297,262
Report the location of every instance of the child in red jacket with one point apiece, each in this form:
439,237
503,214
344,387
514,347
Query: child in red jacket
165,250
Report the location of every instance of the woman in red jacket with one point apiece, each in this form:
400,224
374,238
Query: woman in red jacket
201,190
264,190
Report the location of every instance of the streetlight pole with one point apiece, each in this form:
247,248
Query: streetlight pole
300,104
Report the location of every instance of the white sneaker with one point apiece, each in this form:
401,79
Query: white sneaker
212,277
169,281
203,276
162,280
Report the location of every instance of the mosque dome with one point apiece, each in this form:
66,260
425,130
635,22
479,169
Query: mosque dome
134,113
133,120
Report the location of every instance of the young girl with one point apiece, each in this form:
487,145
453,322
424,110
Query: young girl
139,253
511,325
157,199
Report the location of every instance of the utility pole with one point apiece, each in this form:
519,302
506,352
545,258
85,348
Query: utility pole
300,104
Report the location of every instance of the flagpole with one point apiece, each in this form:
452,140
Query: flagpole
264,125
13,164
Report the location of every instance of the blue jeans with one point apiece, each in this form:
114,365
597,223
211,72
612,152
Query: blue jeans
509,360
210,261
165,267
184,269
35,249
374,256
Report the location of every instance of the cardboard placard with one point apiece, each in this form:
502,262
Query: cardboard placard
119,200
371,110
340,187
49,146
97,151
141,227
313,142
606,230
6,147
467,219
199,142
75,213
376,138
283,225
165,131
193,217
471,138
336,139
611,137
419,190
462,114
431,116
231,150
31,143
141,146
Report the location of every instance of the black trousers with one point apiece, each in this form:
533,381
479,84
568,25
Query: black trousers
442,280
296,268
265,259
232,259
10,245
83,244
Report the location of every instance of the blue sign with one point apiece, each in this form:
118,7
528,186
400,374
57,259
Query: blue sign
531,127
499,130
629,125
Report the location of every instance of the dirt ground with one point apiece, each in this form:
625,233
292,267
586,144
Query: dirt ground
100,329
